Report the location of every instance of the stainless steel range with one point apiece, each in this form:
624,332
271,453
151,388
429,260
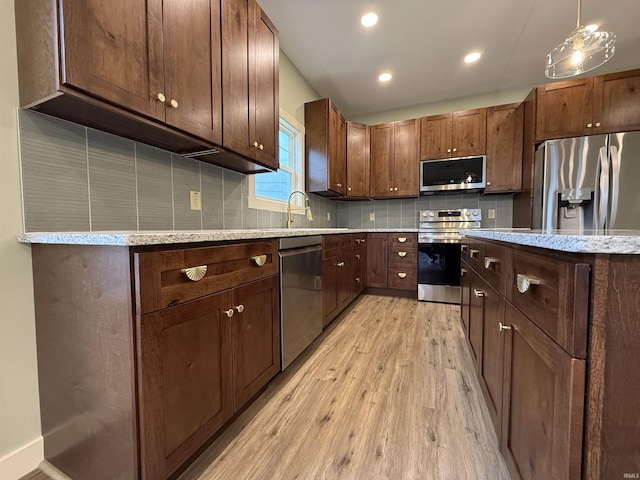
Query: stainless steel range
439,252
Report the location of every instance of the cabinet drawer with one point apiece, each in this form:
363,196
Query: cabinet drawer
471,252
555,295
494,266
406,240
333,245
358,260
161,280
402,279
406,258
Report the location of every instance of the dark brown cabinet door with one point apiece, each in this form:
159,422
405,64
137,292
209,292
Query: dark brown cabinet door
490,366
338,151
565,109
616,100
184,381
250,54
264,93
505,130
345,279
435,137
117,56
357,160
543,403
191,40
382,160
476,318
406,160
377,254
468,132
465,290
255,338
329,290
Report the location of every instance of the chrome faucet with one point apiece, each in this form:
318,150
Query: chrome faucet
307,208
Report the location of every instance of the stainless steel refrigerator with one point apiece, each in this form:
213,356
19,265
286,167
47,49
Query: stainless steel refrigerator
588,183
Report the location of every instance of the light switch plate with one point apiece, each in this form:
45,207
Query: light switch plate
196,203
328,216
491,213
372,217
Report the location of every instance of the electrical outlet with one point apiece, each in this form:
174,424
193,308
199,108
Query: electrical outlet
328,216
196,203
491,213
372,217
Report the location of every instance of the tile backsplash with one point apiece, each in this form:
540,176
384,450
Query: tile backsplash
80,179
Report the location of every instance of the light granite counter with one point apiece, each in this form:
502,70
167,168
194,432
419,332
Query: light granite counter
166,238
612,242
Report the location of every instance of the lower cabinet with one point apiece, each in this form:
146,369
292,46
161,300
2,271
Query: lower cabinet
392,261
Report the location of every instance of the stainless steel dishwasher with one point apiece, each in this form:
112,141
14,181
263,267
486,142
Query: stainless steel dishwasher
300,294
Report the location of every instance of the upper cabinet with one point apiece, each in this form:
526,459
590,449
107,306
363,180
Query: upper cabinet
325,148
250,57
456,134
358,150
150,71
395,148
504,148
589,106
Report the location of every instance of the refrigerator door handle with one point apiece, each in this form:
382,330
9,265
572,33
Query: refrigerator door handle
614,159
602,189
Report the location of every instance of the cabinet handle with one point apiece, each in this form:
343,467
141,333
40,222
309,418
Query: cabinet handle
349,189
463,272
340,265
524,282
255,144
391,189
464,248
597,124
402,239
229,312
195,273
589,125
357,279
261,147
357,241
489,260
402,274
488,184
358,256
338,185
395,189
174,103
161,97
455,149
502,327
448,150
240,308
473,253
478,293
402,254
260,260
364,240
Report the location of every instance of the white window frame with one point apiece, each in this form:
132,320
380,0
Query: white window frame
291,123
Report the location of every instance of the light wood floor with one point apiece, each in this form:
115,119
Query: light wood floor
387,392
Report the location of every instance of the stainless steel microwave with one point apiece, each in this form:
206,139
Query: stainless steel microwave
451,175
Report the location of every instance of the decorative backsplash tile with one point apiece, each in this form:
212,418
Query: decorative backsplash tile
79,179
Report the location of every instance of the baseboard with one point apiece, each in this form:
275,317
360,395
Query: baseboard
23,460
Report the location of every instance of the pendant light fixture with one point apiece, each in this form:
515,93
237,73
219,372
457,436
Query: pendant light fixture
583,50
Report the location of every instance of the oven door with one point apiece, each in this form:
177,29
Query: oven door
439,272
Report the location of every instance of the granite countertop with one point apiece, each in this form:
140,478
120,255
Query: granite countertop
613,241
165,238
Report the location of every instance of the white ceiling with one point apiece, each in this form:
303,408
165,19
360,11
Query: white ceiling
423,44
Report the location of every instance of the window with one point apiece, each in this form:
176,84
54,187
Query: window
270,191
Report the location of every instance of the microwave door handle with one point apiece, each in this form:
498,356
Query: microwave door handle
614,160
602,188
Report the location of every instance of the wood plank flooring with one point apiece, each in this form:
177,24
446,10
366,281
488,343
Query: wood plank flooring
387,392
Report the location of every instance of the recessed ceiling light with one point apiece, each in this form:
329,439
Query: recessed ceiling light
385,77
369,19
591,28
472,57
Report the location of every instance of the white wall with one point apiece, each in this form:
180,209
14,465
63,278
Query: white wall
294,89
19,407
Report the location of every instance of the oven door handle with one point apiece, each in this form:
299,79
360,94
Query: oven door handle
431,239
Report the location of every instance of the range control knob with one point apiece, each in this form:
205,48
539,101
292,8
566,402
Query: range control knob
431,213
467,213
475,213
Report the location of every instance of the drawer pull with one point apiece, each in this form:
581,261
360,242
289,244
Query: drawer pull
489,260
463,272
364,240
357,241
229,312
478,293
402,274
502,327
402,254
357,279
260,260
402,239
524,282
474,253
357,256
340,265
240,308
195,273
464,248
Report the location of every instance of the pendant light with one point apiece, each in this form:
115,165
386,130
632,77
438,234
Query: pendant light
583,50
